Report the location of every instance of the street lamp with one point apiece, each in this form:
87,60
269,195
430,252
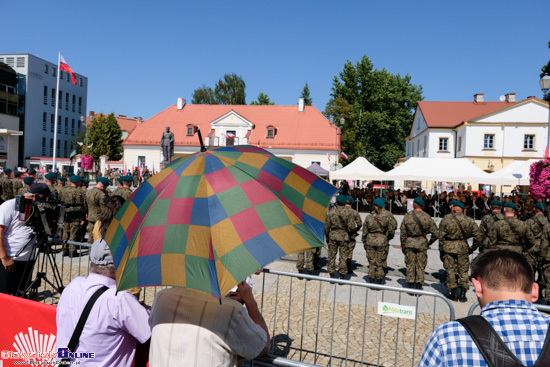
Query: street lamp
338,129
545,86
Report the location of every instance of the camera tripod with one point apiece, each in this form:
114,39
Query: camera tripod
43,255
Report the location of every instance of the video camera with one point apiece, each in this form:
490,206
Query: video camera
45,218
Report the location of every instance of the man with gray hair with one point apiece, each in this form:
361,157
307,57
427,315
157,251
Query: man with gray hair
117,323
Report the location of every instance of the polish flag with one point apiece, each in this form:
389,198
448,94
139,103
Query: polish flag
328,156
65,67
343,155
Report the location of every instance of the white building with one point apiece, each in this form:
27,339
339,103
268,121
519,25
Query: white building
9,119
490,134
37,91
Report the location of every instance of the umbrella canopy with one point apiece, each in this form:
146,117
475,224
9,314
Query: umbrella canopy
208,221
516,173
317,169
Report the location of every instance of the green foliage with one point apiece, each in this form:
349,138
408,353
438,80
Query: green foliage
263,99
305,95
106,137
204,95
380,109
546,71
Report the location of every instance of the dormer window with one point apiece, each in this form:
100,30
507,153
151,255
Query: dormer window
191,129
271,132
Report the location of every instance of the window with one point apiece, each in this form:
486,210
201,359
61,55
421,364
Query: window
459,143
271,132
52,122
66,126
45,94
230,138
80,82
425,143
79,104
68,77
74,102
489,141
72,127
10,61
60,99
60,74
43,146
59,124
46,68
54,73
51,147
65,148
191,129
58,148
413,149
67,101
20,62
53,97
44,121
443,144
529,142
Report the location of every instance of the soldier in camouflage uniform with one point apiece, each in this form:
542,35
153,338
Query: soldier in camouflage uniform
60,185
304,263
50,180
74,215
378,229
146,174
535,225
17,182
125,191
454,231
338,223
352,235
95,199
511,233
136,177
6,186
414,244
487,224
28,181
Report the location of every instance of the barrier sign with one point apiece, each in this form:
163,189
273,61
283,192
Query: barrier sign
395,310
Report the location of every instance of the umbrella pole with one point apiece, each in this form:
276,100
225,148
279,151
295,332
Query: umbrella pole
203,148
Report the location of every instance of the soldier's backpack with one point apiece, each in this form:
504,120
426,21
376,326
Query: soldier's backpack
492,347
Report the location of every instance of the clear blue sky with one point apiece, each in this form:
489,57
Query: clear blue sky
140,56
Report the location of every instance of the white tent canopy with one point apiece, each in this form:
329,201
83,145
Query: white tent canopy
359,169
439,169
516,173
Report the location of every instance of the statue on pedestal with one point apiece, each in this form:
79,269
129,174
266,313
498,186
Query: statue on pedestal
167,144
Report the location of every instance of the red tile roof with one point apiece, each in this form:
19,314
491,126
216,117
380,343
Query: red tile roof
308,130
125,123
452,114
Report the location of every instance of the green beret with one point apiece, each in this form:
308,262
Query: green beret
50,176
511,205
342,199
61,178
85,181
70,174
28,180
350,199
496,202
120,179
379,202
419,201
127,178
17,173
104,180
7,171
540,206
453,202
75,178
459,204
32,171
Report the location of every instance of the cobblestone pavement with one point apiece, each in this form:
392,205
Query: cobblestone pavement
340,325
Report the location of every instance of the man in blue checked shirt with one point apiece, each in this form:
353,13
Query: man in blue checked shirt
504,285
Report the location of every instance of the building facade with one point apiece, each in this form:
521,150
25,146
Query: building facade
490,134
37,93
9,117
299,133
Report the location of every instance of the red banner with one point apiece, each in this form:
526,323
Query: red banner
28,331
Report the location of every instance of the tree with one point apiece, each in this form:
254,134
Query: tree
546,71
305,95
263,99
80,137
380,109
105,136
204,95
230,90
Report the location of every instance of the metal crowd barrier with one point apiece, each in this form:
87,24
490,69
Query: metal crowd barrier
328,321
541,308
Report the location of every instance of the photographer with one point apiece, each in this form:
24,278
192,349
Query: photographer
14,235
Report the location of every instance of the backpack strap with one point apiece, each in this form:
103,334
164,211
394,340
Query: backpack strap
490,344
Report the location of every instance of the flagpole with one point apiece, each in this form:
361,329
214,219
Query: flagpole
56,112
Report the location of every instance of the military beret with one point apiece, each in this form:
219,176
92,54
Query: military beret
28,180
127,178
540,206
496,202
61,178
7,171
32,171
75,178
104,180
51,176
453,202
70,174
120,179
350,199
459,204
342,199
419,201
17,173
379,202
85,181
511,205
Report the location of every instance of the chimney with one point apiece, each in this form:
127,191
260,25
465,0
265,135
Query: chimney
510,97
181,103
139,120
478,97
92,113
300,105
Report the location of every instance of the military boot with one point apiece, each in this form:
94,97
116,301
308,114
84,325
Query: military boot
452,295
350,269
463,295
418,285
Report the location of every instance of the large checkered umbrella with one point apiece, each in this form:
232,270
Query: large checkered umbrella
208,221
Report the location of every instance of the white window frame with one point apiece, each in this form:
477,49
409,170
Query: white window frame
489,145
443,143
533,140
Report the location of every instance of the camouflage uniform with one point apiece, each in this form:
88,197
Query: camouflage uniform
23,190
122,191
414,243
74,216
378,230
353,235
511,233
338,223
7,189
135,175
146,174
305,259
17,184
545,256
95,199
485,227
454,250
536,225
